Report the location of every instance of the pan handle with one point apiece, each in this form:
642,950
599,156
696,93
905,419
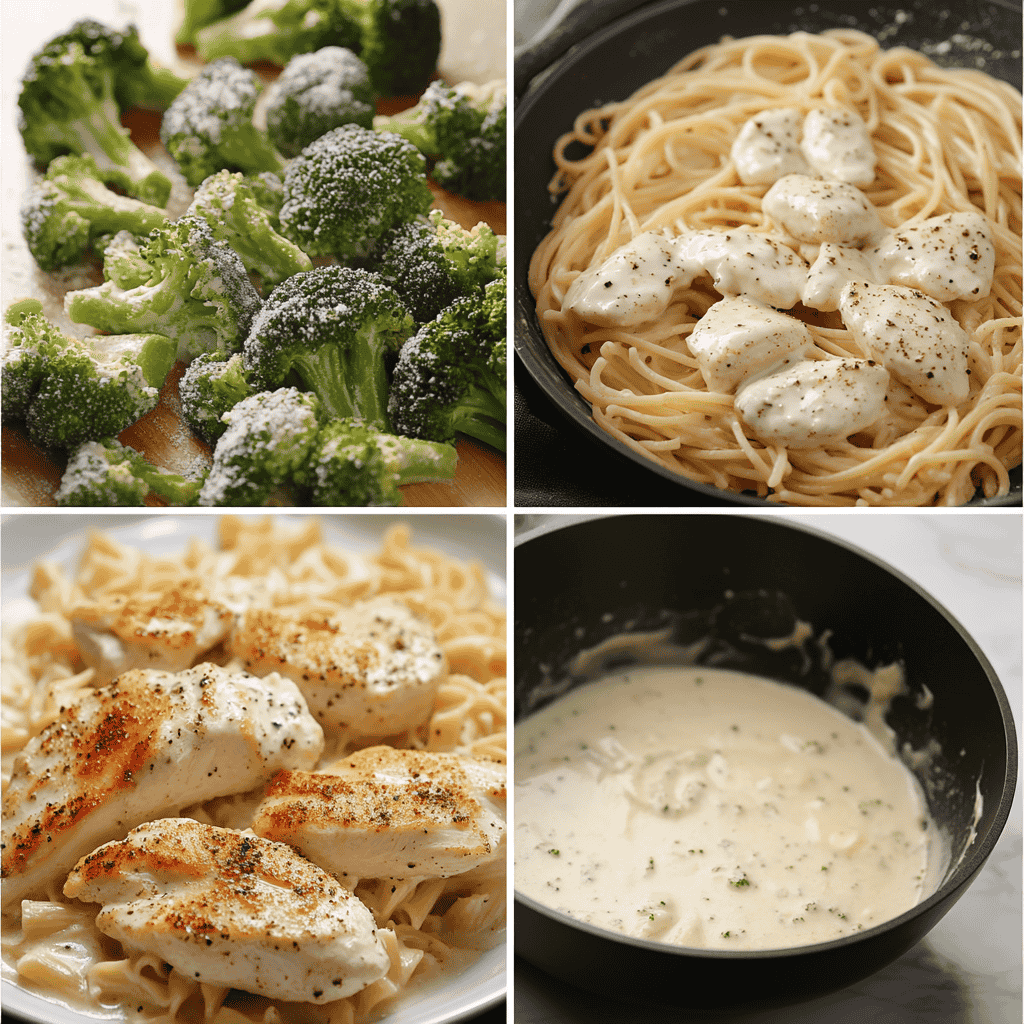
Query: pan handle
580,21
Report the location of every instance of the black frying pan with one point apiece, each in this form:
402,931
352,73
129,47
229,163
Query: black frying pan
732,578
582,65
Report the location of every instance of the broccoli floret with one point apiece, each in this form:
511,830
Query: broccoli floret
108,473
276,30
463,128
209,388
68,104
63,213
355,464
431,262
268,438
31,343
199,13
235,216
315,93
100,474
209,127
268,190
138,82
197,293
451,376
69,390
399,42
333,329
348,188
123,261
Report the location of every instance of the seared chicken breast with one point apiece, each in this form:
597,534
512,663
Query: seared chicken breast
170,630
372,670
148,744
229,908
383,812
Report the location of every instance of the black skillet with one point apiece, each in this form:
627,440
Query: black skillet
739,580
581,65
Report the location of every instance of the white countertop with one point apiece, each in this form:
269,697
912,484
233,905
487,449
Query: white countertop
968,969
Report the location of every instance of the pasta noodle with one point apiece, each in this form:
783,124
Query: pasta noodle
428,925
945,141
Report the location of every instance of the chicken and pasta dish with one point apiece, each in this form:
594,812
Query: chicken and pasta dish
263,781
791,267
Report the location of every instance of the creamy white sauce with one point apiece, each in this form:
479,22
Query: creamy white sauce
768,147
747,263
814,402
637,282
831,271
836,143
914,336
811,210
708,808
832,143
738,339
633,285
947,257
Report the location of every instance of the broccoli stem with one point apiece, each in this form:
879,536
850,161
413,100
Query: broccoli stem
418,462
480,415
174,489
101,136
407,123
162,88
351,384
251,150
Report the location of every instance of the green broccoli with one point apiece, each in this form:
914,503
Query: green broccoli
268,190
69,390
432,261
315,93
197,293
355,464
399,42
64,213
235,216
200,13
276,30
268,439
451,376
333,329
348,188
463,128
68,104
108,473
209,126
209,388
123,261
138,82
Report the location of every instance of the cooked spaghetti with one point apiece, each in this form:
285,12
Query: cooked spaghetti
428,926
945,142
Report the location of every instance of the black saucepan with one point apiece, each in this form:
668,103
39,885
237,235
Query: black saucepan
739,580
593,67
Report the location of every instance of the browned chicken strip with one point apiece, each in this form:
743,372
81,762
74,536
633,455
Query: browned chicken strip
169,630
383,812
148,744
229,908
373,669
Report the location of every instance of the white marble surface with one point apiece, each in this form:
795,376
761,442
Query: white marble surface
968,969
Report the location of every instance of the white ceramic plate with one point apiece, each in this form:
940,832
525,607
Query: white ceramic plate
61,538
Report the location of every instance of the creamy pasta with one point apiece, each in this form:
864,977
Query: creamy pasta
428,926
707,190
